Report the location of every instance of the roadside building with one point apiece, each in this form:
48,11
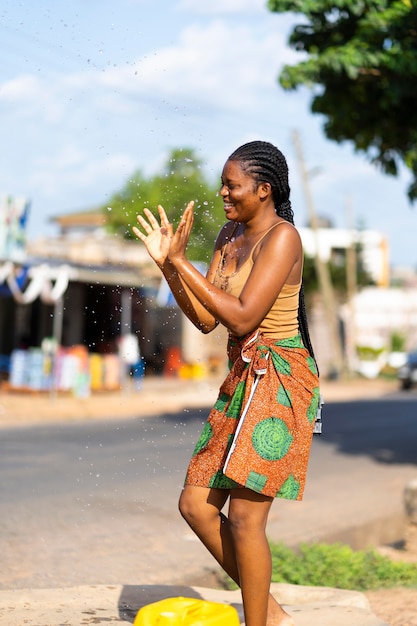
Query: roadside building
332,244
90,292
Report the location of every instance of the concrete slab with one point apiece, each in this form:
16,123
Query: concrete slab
118,604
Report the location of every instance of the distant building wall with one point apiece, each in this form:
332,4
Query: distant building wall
203,349
374,248
378,313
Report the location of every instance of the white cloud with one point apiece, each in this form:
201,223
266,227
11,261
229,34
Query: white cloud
32,97
222,6
20,88
73,168
216,66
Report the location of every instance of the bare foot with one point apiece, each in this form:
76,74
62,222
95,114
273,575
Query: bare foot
286,620
276,614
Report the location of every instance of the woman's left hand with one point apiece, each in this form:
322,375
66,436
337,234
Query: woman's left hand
158,235
181,236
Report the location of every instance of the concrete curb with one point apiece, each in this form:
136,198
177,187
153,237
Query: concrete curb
115,604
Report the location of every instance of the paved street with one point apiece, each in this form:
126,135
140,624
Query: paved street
95,502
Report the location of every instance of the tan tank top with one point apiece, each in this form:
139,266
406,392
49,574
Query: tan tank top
281,320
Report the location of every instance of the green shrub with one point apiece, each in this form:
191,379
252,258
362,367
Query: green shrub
337,565
398,341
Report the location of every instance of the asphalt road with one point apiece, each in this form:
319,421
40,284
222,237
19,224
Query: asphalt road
95,503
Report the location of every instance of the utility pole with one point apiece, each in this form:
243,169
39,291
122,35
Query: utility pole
351,282
322,270
57,339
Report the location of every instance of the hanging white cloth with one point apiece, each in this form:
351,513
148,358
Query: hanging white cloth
51,294
45,282
33,289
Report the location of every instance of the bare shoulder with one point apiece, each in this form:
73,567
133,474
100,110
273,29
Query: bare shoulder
225,234
283,240
283,232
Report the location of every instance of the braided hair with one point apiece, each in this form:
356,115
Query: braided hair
265,163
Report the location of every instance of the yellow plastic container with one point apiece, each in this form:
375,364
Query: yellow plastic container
186,612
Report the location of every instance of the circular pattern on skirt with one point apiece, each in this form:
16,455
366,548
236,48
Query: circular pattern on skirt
271,439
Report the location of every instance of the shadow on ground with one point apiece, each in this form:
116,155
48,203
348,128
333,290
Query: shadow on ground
384,429
134,597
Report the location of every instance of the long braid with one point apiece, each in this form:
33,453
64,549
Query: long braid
265,163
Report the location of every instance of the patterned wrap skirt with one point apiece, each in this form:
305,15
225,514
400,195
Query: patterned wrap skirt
258,434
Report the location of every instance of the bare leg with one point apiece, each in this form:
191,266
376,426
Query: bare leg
201,508
248,514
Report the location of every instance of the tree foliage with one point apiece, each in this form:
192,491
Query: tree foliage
338,275
362,66
180,180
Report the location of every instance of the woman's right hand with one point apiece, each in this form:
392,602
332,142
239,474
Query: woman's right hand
158,236
179,241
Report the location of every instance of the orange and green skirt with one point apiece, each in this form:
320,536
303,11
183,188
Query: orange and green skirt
258,434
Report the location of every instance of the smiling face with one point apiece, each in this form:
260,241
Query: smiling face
242,196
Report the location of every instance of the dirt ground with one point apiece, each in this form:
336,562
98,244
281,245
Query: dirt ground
397,607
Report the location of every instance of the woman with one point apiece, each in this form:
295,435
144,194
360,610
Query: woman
256,442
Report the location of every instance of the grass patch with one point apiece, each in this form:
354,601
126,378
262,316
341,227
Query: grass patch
337,565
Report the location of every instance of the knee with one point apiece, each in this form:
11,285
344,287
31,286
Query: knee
188,507
184,505
196,507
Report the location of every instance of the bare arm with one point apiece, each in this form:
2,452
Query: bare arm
157,240
278,260
196,312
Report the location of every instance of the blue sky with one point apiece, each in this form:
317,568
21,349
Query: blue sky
92,90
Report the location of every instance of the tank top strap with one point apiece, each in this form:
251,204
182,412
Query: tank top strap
264,235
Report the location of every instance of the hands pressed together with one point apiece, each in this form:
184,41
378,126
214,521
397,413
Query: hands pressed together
160,239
